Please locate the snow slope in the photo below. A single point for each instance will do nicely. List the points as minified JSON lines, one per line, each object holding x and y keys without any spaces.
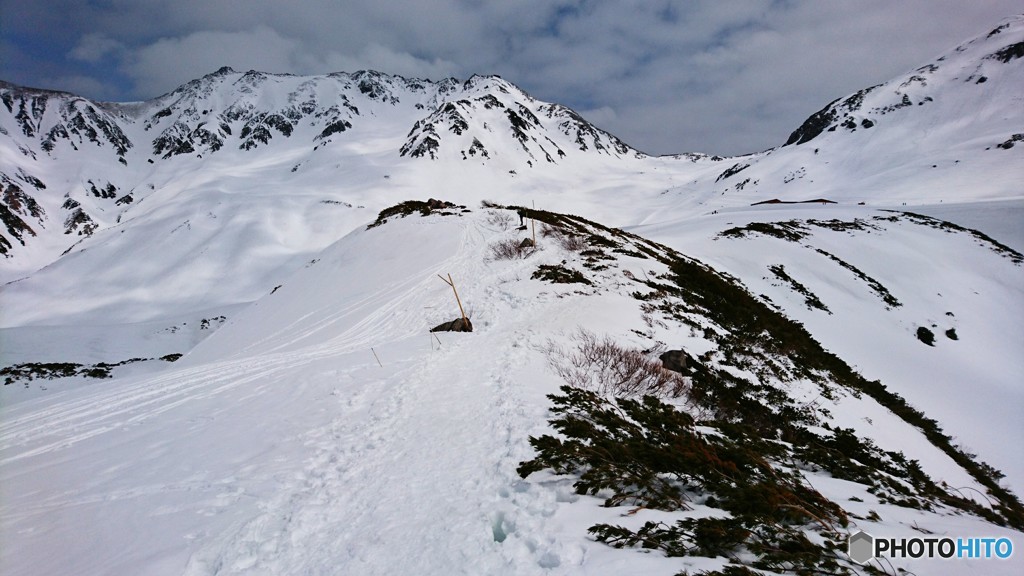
{"x":280,"y":445}
{"x":264,"y":171}
{"x":324,"y":462}
{"x":942,"y":280}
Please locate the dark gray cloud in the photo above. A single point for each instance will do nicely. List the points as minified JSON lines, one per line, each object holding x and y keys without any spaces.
{"x":666,"y":76}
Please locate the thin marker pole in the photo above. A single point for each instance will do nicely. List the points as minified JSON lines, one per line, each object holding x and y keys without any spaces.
{"x":533,"y":224}
{"x":451,"y":283}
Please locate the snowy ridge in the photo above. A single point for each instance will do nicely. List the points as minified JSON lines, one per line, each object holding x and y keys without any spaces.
{"x":326,"y":462}
{"x":498,"y":107}
{"x":86,"y":167}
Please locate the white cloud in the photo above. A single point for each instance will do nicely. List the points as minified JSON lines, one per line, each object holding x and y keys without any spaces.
{"x":383,"y":59}
{"x":603,"y":116}
{"x":79,"y":84}
{"x":94,"y":47}
{"x":734,"y":78}
{"x":720,"y":77}
{"x":169,"y":62}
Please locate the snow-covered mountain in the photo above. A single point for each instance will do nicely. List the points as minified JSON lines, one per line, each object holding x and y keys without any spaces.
{"x":95,"y":161}
{"x":274,"y":407}
{"x":72,"y":167}
{"x":922,"y":137}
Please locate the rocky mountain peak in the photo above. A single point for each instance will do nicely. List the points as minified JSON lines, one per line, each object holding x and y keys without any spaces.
{"x":484,"y":118}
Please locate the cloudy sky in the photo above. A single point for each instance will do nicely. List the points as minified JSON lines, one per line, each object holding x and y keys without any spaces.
{"x":665,"y":76}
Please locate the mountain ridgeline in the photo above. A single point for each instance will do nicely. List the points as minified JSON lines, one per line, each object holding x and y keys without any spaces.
{"x":72,"y":166}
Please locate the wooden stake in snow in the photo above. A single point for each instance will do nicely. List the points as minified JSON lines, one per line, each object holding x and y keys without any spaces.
{"x":533,"y":225}
{"x":457,"y":301}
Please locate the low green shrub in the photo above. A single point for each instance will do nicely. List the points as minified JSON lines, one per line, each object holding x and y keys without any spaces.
{"x":557,"y":274}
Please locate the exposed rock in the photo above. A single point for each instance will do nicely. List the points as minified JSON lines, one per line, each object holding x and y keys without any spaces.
{"x":734,"y":169}
{"x":334,"y":128}
{"x":14,"y":226}
{"x":674,"y":360}
{"x":1009,"y":52}
{"x":19,"y":201}
{"x":435,"y":204}
{"x":78,"y":222}
{"x":457,"y":325}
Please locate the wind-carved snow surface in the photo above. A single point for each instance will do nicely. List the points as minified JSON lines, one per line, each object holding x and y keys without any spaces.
{"x":279,"y":445}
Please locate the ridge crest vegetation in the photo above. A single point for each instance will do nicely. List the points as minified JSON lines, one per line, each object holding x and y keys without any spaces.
{"x":727,"y":446}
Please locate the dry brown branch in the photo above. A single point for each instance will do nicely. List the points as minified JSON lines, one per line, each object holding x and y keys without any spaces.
{"x":567,"y":240}
{"x":499,"y":219}
{"x":602,"y":365}
{"x":510,"y":249}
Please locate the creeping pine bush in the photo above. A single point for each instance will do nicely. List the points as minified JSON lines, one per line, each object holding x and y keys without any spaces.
{"x":649,"y":454}
{"x":600,"y":364}
{"x":559,"y":275}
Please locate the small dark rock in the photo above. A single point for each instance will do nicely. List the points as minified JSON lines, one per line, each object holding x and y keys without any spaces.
{"x":457,"y":325}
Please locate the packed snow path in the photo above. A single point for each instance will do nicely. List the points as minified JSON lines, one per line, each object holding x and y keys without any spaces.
{"x":407,"y":476}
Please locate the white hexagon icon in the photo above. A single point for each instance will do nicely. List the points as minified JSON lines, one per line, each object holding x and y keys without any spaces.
{"x":861,"y":547}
